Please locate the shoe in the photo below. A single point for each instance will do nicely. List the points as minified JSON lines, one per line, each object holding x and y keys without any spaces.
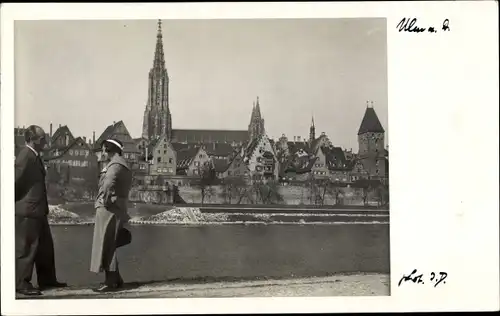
{"x":29,"y":292}
{"x":105,"y":288}
{"x":55,"y":285}
{"x":120,"y":284}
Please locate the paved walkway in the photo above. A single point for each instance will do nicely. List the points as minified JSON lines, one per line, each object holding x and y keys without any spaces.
{"x":342,"y":285}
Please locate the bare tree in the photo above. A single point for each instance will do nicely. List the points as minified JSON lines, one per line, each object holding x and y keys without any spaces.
{"x":206,"y":180}
{"x":91,"y":180}
{"x":233,"y":188}
{"x":266,"y":191}
{"x":334,"y":190}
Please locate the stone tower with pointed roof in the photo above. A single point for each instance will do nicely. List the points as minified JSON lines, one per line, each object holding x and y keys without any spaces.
{"x":256,"y":126}
{"x":157,"y":117}
{"x":371,"y":141}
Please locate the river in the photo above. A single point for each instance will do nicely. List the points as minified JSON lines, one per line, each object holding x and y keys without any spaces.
{"x":159,"y":253}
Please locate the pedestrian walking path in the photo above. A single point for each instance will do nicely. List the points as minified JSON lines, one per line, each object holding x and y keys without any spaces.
{"x":342,"y":285}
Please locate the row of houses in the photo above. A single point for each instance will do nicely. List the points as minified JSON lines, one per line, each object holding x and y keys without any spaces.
{"x":160,"y":160}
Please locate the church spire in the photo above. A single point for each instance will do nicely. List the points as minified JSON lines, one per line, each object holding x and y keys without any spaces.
{"x":256,"y":126}
{"x":257,"y":108}
{"x":312,"y":130}
{"x":159,"y":61}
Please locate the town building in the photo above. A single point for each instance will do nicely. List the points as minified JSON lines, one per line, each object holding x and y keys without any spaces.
{"x":371,"y":139}
{"x":119,"y":131}
{"x":261,"y":158}
{"x":163,"y":157}
{"x":74,"y":164}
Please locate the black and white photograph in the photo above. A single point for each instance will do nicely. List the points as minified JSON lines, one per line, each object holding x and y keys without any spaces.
{"x":234,"y":157}
{"x":243,"y":158}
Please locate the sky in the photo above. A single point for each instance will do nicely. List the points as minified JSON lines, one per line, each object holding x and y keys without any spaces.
{"x":87,"y":74}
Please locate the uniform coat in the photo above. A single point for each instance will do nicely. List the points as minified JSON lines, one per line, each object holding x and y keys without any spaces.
{"x":34,"y":244}
{"x":111,"y":213}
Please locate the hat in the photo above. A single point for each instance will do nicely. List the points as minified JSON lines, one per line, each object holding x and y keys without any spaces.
{"x":115,"y":142}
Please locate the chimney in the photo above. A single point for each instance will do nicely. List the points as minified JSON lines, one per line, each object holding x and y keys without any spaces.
{"x":59,"y":125}
{"x":50,"y":130}
{"x":294,"y":138}
{"x":84,"y":139}
{"x":298,"y":138}
{"x":93,"y":137}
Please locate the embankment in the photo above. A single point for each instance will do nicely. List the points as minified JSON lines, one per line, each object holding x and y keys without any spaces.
{"x":168,"y":215}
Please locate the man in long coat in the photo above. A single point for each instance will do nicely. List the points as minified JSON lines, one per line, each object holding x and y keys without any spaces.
{"x":111,"y":214}
{"x":34,"y":244}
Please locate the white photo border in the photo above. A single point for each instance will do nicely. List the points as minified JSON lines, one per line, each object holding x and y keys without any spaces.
{"x":443,"y":118}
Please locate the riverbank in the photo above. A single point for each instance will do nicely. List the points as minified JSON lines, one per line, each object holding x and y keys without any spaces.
{"x":338,"y":285}
{"x":169,"y":215}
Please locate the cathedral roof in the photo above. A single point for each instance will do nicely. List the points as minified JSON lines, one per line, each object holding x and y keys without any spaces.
{"x":370,"y":123}
{"x":219,"y":149}
{"x":209,"y":136}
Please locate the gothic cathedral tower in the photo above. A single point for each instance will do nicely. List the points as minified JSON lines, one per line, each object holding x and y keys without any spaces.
{"x":157,"y":118}
{"x":256,"y":126}
{"x":312,"y":131}
{"x":371,"y":140}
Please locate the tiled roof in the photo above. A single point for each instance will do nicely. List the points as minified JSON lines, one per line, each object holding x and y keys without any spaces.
{"x":335,"y":157}
{"x":105,"y":135}
{"x":370,"y":123}
{"x":76,"y":141}
{"x":128,"y":146}
{"x":62,"y":131}
{"x":220,"y":165}
{"x":298,"y":164}
{"x":209,"y":136}
{"x":185,"y":156}
{"x":251,"y":147}
{"x":294,"y":147}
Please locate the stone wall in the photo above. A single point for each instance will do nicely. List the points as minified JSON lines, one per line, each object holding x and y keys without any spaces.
{"x":292,"y":195}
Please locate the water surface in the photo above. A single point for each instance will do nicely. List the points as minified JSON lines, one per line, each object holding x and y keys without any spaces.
{"x":159,"y":253}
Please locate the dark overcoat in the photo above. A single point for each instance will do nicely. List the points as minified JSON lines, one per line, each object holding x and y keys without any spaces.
{"x":111,"y":213}
{"x":30,"y":189}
